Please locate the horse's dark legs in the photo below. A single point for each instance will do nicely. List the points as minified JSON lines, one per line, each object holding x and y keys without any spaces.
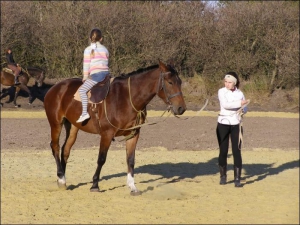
{"x":25,"y":88}
{"x":4,"y":93}
{"x":16,"y":95}
{"x":8,"y":92}
{"x":130,"y":158}
{"x":104,"y":146}
{"x":71,"y":135}
{"x":54,"y":144}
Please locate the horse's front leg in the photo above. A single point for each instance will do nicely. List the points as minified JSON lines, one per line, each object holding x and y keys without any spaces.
{"x":16,"y":95}
{"x":25,"y":88}
{"x":130,"y":159}
{"x":104,"y":146}
{"x":56,"y":127}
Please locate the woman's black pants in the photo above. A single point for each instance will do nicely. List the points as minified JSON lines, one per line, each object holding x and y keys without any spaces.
{"x":223,"y":134}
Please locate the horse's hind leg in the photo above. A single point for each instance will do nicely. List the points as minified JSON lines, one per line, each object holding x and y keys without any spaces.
{"x":4,"y":93}
{"x":130,"y":158}
{"x":8,"y":92}
{"x":2,"y":96}
{"x":71,"y":135}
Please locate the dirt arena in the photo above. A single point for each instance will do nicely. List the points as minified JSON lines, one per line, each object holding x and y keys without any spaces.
{"x":176,"y":172}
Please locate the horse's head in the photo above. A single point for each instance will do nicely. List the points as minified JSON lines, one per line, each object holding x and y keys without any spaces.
{"x":38,"y":75}
{"x":40,"y":79}
{"x":169,"y":89}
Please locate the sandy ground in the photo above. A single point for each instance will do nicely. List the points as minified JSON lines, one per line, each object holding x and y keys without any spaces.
{"x":176,"y":172}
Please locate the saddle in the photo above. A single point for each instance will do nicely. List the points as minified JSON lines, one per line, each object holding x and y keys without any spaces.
{"x":7,"y":70}
{"x":98,"y":92}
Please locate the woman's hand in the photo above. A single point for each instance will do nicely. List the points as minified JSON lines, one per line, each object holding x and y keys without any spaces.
{"x":244,"y":102}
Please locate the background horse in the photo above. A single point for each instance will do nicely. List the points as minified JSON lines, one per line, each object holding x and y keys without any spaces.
{"x":7,"y":79}
{"x":124,"y":108}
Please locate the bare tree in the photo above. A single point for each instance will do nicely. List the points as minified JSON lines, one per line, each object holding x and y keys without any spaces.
{"x":259,"y":40}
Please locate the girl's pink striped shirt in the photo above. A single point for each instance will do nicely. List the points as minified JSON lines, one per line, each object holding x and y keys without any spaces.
{"x":96,"y":63}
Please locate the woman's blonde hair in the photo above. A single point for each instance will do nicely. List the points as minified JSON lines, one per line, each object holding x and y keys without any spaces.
{"x":95,"y":36}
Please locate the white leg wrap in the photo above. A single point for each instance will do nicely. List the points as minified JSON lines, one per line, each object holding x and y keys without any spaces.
{"x":130,"y":183}
{"x":61,"y":181}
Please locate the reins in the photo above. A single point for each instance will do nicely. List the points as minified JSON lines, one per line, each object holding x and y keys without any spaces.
{"x":40,"y":77}
{"x":190,"y":117}
{"x":140,"y":113}
{"x":26,"y":71}
{"x":241,"y":113}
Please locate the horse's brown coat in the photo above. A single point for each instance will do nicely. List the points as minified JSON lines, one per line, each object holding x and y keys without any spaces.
{"x":8,"y":79}
{"x":128,"y":96}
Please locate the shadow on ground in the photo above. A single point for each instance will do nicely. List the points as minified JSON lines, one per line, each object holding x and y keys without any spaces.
{"x":180,"y":171}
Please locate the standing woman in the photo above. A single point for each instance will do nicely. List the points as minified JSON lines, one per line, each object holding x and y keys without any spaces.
{"x":11,"y":64}
{"x":95,"y":69}
{"x":231,"y":100}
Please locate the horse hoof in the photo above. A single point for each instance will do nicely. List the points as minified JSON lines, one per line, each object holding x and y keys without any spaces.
{"x":17,"y":106}
{"x":94,"y":190}
{"x":61,"y":183}
{"x":135,"y":193}
{"x":61,"y":186}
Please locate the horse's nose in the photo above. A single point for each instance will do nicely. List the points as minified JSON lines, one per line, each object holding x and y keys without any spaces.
{"x":181,"y":110}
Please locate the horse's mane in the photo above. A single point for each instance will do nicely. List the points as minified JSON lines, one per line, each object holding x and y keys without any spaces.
{"x":139,"y":71}
{"x":34,"y":68}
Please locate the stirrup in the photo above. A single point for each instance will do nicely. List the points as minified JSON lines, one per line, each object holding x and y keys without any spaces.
{"x":83,"y":118}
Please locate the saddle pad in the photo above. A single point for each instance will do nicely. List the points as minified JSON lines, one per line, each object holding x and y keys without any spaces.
{"x":77,"y":96}
{"x":7,"y":70}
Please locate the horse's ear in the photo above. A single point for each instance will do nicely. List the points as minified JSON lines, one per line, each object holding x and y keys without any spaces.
{"x":163,"y":67}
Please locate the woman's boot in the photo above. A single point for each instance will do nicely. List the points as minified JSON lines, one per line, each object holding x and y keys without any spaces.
{"x":223,"y":176}
{"x":237,"y":177}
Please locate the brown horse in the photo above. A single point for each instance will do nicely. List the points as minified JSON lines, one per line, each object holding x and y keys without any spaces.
{"x":7,"y":79}
{"x":121,"y":113}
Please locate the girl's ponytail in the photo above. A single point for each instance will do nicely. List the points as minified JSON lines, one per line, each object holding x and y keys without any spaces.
{"x":95,"y":36}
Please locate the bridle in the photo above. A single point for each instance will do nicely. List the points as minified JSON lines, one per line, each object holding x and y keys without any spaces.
{"x":141,"y":113}
{"x":161,"y":85}
{"x":40,"y":79}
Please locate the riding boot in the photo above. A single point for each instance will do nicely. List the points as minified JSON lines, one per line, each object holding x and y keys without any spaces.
{"x":16,"y":80}
{"x":223,"y":176}
{"x":237,"y":176}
